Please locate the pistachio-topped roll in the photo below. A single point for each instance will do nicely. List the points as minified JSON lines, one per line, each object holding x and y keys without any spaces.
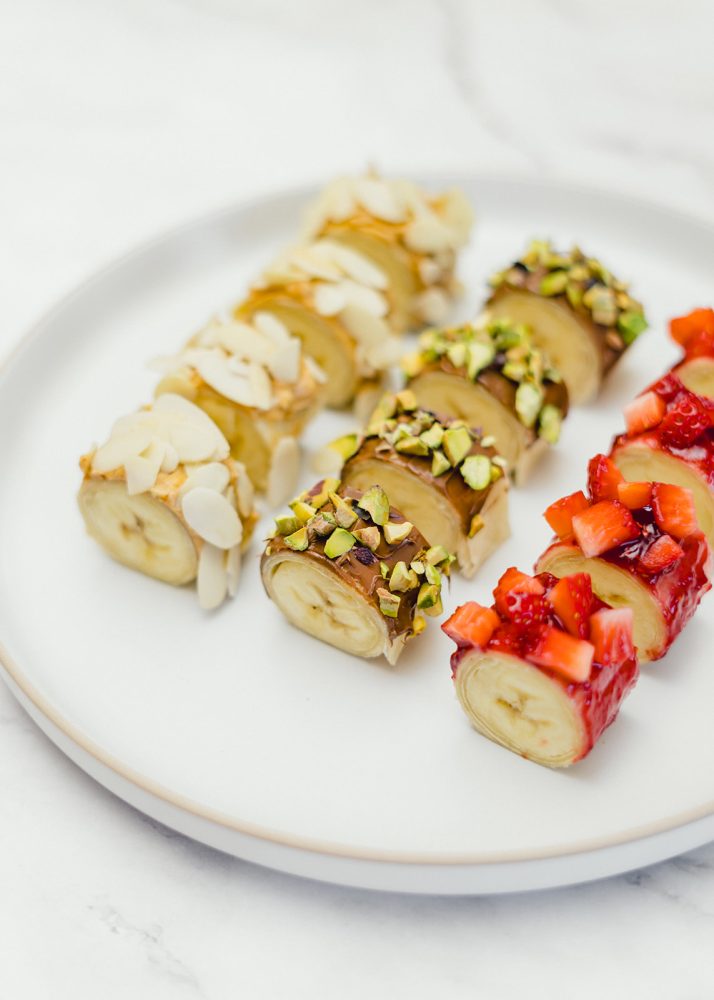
{"x":413,"y":237}
{"x":255,"y":383}
{"x":447,"y":479}
{"x":336,"y":301}
{"x":346,"y":567}
{"x":580,"y":314}
{"x":492,"y":376}
{"x":163,"y":496}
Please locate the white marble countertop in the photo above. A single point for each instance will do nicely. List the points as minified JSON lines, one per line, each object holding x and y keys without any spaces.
{"x":119,"y":119}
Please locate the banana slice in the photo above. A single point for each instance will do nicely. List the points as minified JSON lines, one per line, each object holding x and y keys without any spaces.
{"x":459,"y":501}
{"x":697,"y":374}
{"x":580,"y":315}
{"x":163,"y":497}
{"x":491,"y":376}
{"x":348,"y":569}
{"x":407,"y":236}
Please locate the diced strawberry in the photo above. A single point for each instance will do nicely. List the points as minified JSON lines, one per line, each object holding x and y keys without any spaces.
{"x":514,"y":582}
{"x":560,"y":514}
{"x":611,"y":635}
{"x":563,"y":653}
{"x":685,"y":420}
{"x":644,"y":412}
{"x":674,"y":509}
{"x":572,"y":600}
{"x":604,"y":526}
{"x":634,"y":495}
{"x":661,"y":553}
{"x":603,"y":478}
{"x":701,"y":345}
{"x":527,"y":609}
{"x":471,"y":625}
{"x":669,"y":386}
{"x":683,"y":328}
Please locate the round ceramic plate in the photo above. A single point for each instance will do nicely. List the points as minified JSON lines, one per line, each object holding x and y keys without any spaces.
{"x":241,"y":732}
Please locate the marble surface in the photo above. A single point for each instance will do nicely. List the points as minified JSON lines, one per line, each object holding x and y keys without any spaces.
{"x":120,"y":119}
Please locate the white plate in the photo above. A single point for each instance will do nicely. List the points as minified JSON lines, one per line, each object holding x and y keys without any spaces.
{"x":241,"y":732}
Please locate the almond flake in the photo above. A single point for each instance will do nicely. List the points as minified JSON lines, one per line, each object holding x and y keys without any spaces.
{"x":316,"y":264}
{"x":212,"y":580}
{"x":429,"y":271}
{"x":120,"y":448}
{"x":232,"y":564}
{"x":317,"y":373}
{"x":211,"y":475}
{"x":285,"y":362}
{"x":369,"y":299}
{"x":170,"y":461}
{"x":245,"y":494}
{"x":329,"y":299}
{"x":261,"y":387}
{"x":381,"y":201}
{"x":355,"y":265}
{"x":433,"y":305}
{"x":271,"y":327}
{"x":284,"y":471}
{"x":364,"y":326}
{"x":214,"y":371}
{"x":141,"y":470}
{"x":212,"y":518}
{"x":428,"y":234}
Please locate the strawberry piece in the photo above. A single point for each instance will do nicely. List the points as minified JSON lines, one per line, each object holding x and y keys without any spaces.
{"x":683,"y":328}
{"x":674,"y":509}
{"x":660,"y":554}
{"x":635,"y":495}
{"x":568,"y":656}
{"x":471,"y":625}
{"x":669,"y":386}
{"x":604,"y":526}
{"x":572,"y":601}
{"x":603,"y":478}
{"x":514,"y":582}
{"x":644,"y":412}
{"x":611,"y":635}
{"x":701,"y":345}
{"x":560,"y":514}
{"x":685,"y":420}
{"x":527,"y":609}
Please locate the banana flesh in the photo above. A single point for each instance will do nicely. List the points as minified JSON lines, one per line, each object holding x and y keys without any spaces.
{"x":520,"y":707}
{"x":697,"y":375}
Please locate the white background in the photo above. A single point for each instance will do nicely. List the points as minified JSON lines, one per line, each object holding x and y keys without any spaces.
{"x":118,"y":119}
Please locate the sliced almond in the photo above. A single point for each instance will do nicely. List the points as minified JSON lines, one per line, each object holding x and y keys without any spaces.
{"x":120,"y":448}
{"x":272,"y":327}
{"x":284,"y":471}
{"x":170,"y":461}
{"x":141,"y":470}
{"x":364,"y":326}
{"x":317,"y":373}
{"x":215,"y":372}
{"x":367,"y":298}
{"x":429,"y":271}
{"x":285,"y":362}
{"x":261,"y":387}
{"x":233,"y":564}
{"x":355,"y":265}
{"x":212,"y":518}
{"x":245,"y":494}
{"x":211,"y":475}
{"x":433,"y":305}
{"x":379,"y":199}
{"x":316,"y":264}
{"x":212,"y":580}
{"x":459,"y":216}
{"x":329,"y":299}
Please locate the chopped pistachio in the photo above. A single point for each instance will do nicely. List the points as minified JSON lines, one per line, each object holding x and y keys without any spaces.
{"x":496,"y":472}
{"x":369,"y":537}
{"x":488,"y":441}
{"x":388,"y":603}
{"x":322,"y":524}
{"x":339,"y":542}
{"x":436,"y":554}
{"x":302,"y":511}
{"x":433,"y":437}
{"x":376,"y":503}
{"x":515,"y":370}
{"x":631,"y":324}
{"x":411,"y":445}
{"x":345,"y":446}
{"x":384,"y":570}
{"x":285,"y":524}
{"x":406,"y":401}
{"x":529,"y":399}
{"x":418,"y":566}
{"x":412,"y":364}
{"x":385,"y":408}
{"x":402,"y":578}
{"x":476,"y":471}
{"x":549,"y":423}
{"x":419,"y":624}
{"x":480,"y":356}
{"x":456,"y":444}
{"x":574,"y":294}
{"x":328,"y":487}
{"x":432,"y":575}
{"x":395,"y":532}
{"x":429,"y":599}
{"x":477,"y":523}
{"x":344,"y":514}
{"x":554,"y":283}
{"x":298,"y":540}
{"x":456,"y":354}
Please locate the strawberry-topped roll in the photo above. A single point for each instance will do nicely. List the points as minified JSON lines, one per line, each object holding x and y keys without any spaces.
{"x":544,"y":670}
{"x":642,"y":546}
{"x":670,"y":439}
{"x":695,"y":332}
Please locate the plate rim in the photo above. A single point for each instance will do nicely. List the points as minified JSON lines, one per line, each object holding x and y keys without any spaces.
{"x":10,"y":669}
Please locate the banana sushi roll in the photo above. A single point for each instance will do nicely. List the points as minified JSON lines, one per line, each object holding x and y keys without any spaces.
{"x":492,"y":376}
{"x":413,"y":237}
{"x":642,"y":547}
{"x":545,"y":670}
{"x":337,"y":303}
{"x":695,"y":334}
{"x":347,"y":568}
{"x":163,"y":496}
{"x":255,"y":383}
{"x":580,"y":314}
{"x":670,"y":439}
{"x":446,"y":479}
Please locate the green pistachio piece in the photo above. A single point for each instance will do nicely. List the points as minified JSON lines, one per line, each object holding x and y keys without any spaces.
{"x":480,"y":356}
{"x":328,"y":487}
{"x":345,"y":446}
{"x":631,"y":325}
{"x":508,"y":336}
{"x":406,"y":401}
{"x":538,"y":251}
{"x":384,"y":570}
{"x":457,"y":355}
{"x":402,"y":578}
{"x":574,"y":294}
{"x":432,"y":575}
{"x":436,"y":554}
{"x":488,"y":441}
{"x":388,"y":603}
{"x":395,"y":532}
{"x":602,"y":304}
{"x":496,"y":472}
{"x":302,"y":511}
{"x":339,"y":542}
{"x":529,"y":399}
{"x":433,"y":437}
{"x":476,"y":471}
{"x":549,"y":423}
{"x":385,"y":408}
{"x":419,"y":624}
{"x":411,"y":445}
{"x":456,"y":444}
{"x":376,"y":503}
{"x":477,"y":523}
{"x":429,"y":599}
{"x":369,"y":537}
{"x":578,"y":272}
{"x":322,"y":524}
{"x":515,"y":370}
{"x":412,"y":364}
{"x":298,"y":540}
{"x":418,"y":566}
{"x":285,"y":524}
{"x":599,"y":271}
{"x":344,"y":515}
{"x":554,"y":283}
